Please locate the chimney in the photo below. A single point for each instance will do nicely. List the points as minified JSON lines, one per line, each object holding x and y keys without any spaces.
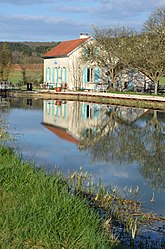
{"x":84,"y":35}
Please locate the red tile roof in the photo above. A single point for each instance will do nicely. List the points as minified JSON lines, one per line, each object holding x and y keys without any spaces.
{"x":64,"y":48}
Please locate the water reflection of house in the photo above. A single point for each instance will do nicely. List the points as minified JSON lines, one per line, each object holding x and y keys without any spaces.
{"x":76,"y":121}
{"x":62,"y":133}
{"x":73,"y":117}
{"x":129,"y":115}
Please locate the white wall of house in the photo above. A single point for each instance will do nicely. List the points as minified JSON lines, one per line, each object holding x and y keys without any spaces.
{"x":64,"y":70}
{"x":55,"y":71}
{"x":70,"y":70}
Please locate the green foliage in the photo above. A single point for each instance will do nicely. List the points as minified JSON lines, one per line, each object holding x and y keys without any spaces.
{"x":32,"y":50}
{"x":18,"y":46}
{"x":28,"y":48}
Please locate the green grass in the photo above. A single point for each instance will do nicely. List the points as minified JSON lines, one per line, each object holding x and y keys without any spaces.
{"x":36,"y":211}
{"x":15,"y":76}
{"x":35,"y":76}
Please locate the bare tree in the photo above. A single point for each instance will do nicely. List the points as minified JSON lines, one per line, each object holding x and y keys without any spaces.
{"x":24,"y":62}
{"x":75,"y":69}
{"x":5,"y":62}
{"x":143,"y":51}
{"x":100,"y":53}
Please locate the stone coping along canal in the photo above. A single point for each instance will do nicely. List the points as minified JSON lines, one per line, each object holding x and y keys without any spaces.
{"x":137,"y":100}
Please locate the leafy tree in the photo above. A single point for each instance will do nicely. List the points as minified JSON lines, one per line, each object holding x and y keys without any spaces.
{"x":5,"y":61}
{"x":18,"y":46}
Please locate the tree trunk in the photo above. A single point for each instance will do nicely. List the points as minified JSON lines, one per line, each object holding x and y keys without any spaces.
{"x":156,"y":87}
{"x":24,"y":76}
{"x":113,"y":77}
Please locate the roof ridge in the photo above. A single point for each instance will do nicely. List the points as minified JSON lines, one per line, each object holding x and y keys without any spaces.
{"x":77,"y":39}
{"x":65,"y":47}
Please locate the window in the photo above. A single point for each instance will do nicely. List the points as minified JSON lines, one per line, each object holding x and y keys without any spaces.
{"x":89,"y":74}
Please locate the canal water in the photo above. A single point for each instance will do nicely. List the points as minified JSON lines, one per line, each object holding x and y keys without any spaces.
{"x":120,"y":145}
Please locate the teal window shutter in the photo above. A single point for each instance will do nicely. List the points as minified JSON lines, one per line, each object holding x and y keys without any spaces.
{"x":64,"y":110}
{"x":53,"y":108}
{"x":64,"y":74}
{"x":84,"y":111}
{"x":61,"y":75}
{"x":56,"y":111}
{"x":96,"y":111}
{"x":96,"y":75}
{"x":47,"y":74}
{"x":85,"y":75}
{"x":56,"y":76}
{"x":52,"y":75}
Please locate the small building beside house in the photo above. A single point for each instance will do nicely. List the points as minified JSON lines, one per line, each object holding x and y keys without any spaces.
{"x":63,"y":67}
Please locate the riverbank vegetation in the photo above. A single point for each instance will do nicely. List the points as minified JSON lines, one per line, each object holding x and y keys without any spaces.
{"x":38,"y":212}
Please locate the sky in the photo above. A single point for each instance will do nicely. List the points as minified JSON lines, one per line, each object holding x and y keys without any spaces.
{"x":55,"y":20}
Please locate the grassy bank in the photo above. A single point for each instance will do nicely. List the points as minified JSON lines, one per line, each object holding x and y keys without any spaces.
{"x":36,"y":211}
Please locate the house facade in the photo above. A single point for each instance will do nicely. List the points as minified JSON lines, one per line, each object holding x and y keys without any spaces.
{"x":64,"y":68}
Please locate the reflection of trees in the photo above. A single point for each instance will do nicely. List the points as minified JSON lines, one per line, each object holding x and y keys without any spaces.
{"x":24,"y":103}
{"x":117,"y":141}
{"x":154,"y":169}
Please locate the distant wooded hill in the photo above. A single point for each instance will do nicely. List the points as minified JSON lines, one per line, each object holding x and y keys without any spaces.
{"x":33,"y":50}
